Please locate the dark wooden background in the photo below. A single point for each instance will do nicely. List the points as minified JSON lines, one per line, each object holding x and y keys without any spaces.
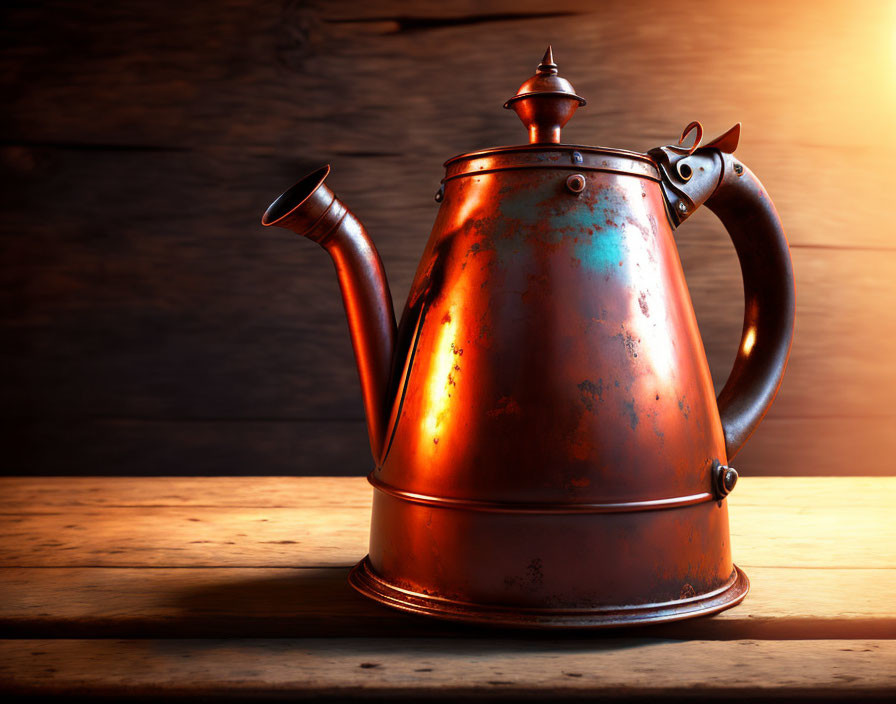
{"x":151,"y":326}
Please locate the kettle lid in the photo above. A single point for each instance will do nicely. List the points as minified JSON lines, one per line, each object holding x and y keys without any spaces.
{"x":545,"y":102}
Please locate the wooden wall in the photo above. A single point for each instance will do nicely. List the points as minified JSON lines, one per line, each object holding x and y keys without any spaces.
{"x":151,"y":326}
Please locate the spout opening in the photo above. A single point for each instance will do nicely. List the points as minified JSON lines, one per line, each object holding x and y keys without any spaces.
{"x":294,"y":197}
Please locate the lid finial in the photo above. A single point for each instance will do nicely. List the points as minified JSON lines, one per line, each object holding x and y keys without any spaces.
{"x":547,"y":64}
{"x":545,"y":102}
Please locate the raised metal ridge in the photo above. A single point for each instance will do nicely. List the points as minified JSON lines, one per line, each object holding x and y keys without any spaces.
{"x":539,"y":508}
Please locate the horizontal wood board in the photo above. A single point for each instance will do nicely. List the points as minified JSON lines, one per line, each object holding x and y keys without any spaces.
{"x":269,"y":556}
{"x":323,"y":522}
{"x":785,"y":603}
{"x":815,"y":625}
{"x":152,"y":327}
{"x":382,"y":667}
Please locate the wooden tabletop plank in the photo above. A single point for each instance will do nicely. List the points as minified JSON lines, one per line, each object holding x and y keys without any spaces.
{"x":778,"y":522}
{"x":320,"y":492}
{"x":185,"y":537}
{"x":260,"y":603}
{"x":433,"y":667}
{"x":238,"y":492}
{"x":242,"y":559}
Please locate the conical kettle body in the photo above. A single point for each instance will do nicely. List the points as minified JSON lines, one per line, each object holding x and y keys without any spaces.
{"x":556,"y":426}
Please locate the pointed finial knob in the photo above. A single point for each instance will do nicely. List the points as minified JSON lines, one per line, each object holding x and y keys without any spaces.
{"x":547,"y":64}
{"x":545,"y":102}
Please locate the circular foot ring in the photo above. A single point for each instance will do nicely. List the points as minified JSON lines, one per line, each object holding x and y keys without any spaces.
{"x":364,"y":580}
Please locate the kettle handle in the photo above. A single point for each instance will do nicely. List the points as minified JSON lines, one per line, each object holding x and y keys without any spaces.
{"x":742,"y":204}
{"x":712,"y":175}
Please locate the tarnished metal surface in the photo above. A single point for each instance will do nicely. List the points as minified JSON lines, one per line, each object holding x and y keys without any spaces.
{"x":539,"y":315}
{"x":551,"y":451}
{"x":570,"y":156}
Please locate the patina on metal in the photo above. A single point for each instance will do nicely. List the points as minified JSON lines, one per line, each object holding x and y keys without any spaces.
{"x":548,"y":447}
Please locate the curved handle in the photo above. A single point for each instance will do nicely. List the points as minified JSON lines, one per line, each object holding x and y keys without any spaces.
{"x":746,"y":211}
{"x":711,"y":175}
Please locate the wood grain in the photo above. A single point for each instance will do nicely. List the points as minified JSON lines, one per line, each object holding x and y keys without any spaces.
{"x":784,"y":603}
{"x":818,"y":624}
{"x":323,"y":493}
{"x":433,"y":668}
{"x":152,"y":327}
{"x":847,"y":525}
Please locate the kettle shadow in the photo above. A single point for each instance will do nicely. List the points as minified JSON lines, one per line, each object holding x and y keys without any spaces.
{"x":302,"y":602}
{"x":318,"y":602}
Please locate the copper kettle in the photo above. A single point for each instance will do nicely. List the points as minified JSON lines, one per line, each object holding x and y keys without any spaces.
{"x":548,"y":447}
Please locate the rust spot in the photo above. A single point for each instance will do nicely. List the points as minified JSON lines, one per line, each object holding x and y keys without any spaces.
{"x":536,"y":576}
{"x":687,"y":591}
{"x":629,"y":407}
{"x":642,"y":301}
{"x":446,"y":318}
{"x":591,"y":392}
{"x":506,"y":405}
{"x":580,"y":482}
{"x":629,"y":342}
{"x":435,"y":441}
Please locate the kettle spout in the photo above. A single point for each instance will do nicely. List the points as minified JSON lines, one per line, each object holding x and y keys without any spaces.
{"x":312,"y":210}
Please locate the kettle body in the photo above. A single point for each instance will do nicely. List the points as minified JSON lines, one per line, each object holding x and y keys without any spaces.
{"x":558,"y":380}
{"x":549,"y":449}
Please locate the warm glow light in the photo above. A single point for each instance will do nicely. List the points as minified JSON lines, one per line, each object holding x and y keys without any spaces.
{"x":472,"y":200}
{"x":656,"y":336}
{"x":749,"y":340}
{"x":442,"y":381}
{"x":894,"y":50}
{"x":653,"y":330}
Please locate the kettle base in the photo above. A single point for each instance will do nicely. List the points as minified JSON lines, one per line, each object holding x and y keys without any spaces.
{"x":363,"y":579}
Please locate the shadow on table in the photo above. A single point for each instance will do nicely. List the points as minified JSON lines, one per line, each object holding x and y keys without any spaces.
{"x":319,"y":602}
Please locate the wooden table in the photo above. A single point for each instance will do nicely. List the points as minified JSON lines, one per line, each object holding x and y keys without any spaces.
{"x":237,"y":586}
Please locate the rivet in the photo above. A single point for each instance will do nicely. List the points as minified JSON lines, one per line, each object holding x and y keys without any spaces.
{"x":576,"y":183}
{"x":730,"y":478}
{"x":682,"y":206}
{"x":576,"y":158}
{"x":440,"y":194}
{"x":724,"y":479}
